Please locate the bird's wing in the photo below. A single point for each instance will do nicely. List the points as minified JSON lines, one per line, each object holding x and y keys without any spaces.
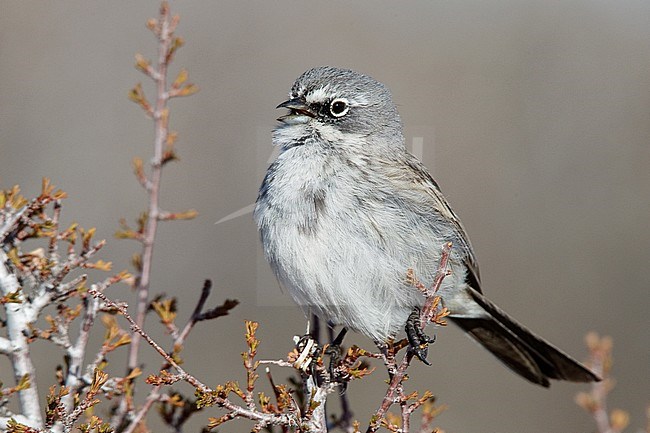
{"x":419,"y":180}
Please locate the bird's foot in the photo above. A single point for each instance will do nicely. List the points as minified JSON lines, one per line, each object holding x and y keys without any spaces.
{"x":309,"y":352}
{"x":418,"y":340}
{"x":334,"y":351}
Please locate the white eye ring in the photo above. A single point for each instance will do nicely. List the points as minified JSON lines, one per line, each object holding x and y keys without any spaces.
{"x":339,"y":107}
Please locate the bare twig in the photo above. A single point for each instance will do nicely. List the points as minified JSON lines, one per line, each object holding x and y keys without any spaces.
{"x":395,"y":392}
{"x":163,"y":152}
{"x":165,"y":30}
{"x":138,"y":330}
{"x":278,"y":362}
{"x":77,"y":352}
{"x":595,"y":401}
{"x":197,"y":315}
{"x":198,"y":309}
{"x":154,"y":396}
{"x":236,"y":411}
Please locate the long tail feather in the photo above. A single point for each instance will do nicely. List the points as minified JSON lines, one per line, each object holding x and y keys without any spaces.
{"x":518,"y":348}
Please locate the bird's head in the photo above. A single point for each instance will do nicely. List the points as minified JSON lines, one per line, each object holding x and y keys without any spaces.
{"x":338,"y":106}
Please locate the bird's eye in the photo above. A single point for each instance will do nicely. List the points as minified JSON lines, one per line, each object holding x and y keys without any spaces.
{"x":339,"y":107}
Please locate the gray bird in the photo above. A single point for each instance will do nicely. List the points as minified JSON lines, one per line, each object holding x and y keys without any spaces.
{"x":345,"y":210}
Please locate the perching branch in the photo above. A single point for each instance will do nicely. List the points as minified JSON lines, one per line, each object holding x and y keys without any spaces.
{"x":431,"y":313}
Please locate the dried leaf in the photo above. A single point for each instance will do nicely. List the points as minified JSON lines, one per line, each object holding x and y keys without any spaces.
{"x":12,"y":297}
{"x":99,"y":379}
{"x":619,"y":419}
{"x":187,"y":90}
{"x":152,"y":24}
{"x":137,"y":95}
{"x":180,"y":78}
{"x":177,"y":42}
{"x":142,"y":64}
{"x":100,"y":265}
{"x":166,"y":310}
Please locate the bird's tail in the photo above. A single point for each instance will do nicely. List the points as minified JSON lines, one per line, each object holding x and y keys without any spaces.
{"x":518,"y":348}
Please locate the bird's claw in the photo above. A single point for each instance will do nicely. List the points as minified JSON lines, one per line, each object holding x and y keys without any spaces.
{"x":309,"y":351}
{"x":418,"y":340}
{"x":333,"y":350}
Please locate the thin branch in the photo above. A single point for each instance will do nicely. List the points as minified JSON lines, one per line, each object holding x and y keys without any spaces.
{"x":54,"y":245}
{"x":11,"y":224}
{"x":595,"y":401}
{"x":262,"y":418}
{"x":136,"y":328}
{"x":278,"y":362}
{"x":316,"y":419}
{"x":154,"y":394}
{"x":163,"y":28}
{"x":53,"y":288}
{"x":77,"y":352}
{"x":395,"y":393}
{"x":160,"y":115}
{"x":205,"y":293}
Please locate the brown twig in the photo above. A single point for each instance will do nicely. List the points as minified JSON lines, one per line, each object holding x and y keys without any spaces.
{"x":198,"y":309}
{"x":395,"y":392}
{"x":138,"y":330}
{"x":163,"y":151}
{"x":595,"y":401}
{"x":197,"y":315}
{"x":154,"y":396}
{"x":164,"y":31}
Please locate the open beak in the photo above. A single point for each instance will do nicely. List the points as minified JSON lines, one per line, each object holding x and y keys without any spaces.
{"x":297,"y":109}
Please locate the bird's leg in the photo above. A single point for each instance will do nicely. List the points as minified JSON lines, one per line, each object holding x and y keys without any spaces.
{"x":334,"y":352}
{"x":418,"y":340}
{"x":308,"y":350}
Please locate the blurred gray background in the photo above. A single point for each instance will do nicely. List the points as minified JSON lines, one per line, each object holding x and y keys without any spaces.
{"x":533,"y":116}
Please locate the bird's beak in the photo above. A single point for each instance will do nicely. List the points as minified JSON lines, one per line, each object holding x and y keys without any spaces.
{"x":298,"y":109}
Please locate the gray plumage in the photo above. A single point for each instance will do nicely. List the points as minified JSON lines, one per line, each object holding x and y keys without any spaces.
{"x":345,"y":210}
